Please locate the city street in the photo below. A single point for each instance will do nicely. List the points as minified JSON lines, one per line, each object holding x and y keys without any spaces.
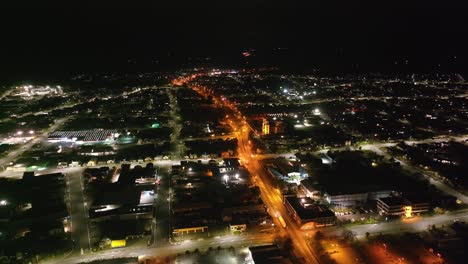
{"x":78,"y":211}
{"x":139,"y":249}
{"x":270,"y":195}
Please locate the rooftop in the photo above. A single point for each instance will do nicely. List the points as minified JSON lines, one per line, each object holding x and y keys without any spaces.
{"x":307,"y":209}
{"x":117,"y":194}
{"x":394,"y":201}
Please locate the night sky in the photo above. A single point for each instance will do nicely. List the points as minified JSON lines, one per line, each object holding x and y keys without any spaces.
{"x":59,"y":40}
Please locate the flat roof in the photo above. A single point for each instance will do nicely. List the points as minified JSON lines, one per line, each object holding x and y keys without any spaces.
{"x":196,"y":218}
{"x":348,"y":188}
{"x":285,"y":166}
{"x":307,"y":209}
{"x":268,"y":254}
{"x":119,"y":194}
{"x":309,"y":185}
{"x":394,"y":201}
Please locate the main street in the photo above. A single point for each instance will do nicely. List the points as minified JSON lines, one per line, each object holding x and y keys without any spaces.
{"x":270,"y":195}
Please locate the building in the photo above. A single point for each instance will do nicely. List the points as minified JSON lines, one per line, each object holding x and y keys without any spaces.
{"x":348,"y":195}
{"x":288,"y":171}
{"x":96,"y":150}
{"x":399,"y":206}
{"x":419,"y":204}
{"x":84,"y":136}
{"x":307,"y":213}
{"x":237,"y":228}
{"x":310,"y":189}
{"x":346,"y":199}
{"x":244,"y":215}
{"x":265,"y":127}
{"x":123,"y":202}
{"x":392,"y":205}
{"x":193,"y":224}
{"x":271,"y":254}
{"x":187,"y":230}
{"x":278,"y":127}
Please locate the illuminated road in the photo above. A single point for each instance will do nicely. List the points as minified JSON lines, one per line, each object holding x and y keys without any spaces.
{"x":270,"y":195}
{"x":140,"y":249}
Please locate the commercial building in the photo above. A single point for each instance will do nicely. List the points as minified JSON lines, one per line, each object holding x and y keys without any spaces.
{"x":399,"y":206}
{"x":310,"y":189}
{"x":84,"y":136}
{"x":194,"y":223}
{"x":123,"y":202}
{"x":179,"y":231}
{"x":307,"y":213}
{"x":271,"y":254}
{"x":288,"y":171}
{"x":343,"y":196}
{"x":340,"y":199}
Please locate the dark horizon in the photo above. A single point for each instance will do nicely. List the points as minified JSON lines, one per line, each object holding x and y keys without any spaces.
{"x":59,"y":41}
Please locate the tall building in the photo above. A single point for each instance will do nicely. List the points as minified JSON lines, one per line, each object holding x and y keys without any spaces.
{"x":265,"y":127}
